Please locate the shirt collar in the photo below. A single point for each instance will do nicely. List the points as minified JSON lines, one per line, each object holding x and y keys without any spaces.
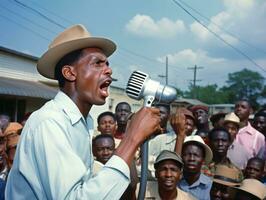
{"x":203,"y":180}
{"x":248,"y":129}
{"x":69,"y":107}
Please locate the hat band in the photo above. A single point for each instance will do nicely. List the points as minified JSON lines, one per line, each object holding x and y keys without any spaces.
{"x":225,"y":179}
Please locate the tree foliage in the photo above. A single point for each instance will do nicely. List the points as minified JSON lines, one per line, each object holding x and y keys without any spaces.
{"x":209,"y":94}
{"x":244,"y":84}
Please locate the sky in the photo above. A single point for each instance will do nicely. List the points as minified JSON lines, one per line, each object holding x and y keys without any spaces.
{"x":148,"y":31}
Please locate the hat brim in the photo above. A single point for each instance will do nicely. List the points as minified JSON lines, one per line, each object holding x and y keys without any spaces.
{"x":46,"y":64}
{"x":230,"y":184}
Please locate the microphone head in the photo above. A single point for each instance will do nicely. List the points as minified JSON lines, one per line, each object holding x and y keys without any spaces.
{"x":141,"y":86}
{"x":135,"y":85}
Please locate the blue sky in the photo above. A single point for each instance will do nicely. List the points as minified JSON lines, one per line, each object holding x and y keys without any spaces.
{"x":146,"y":31}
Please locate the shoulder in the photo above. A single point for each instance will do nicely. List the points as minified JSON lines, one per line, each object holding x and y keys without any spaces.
{"x":182,"y":195}
{"x":205,"y":180}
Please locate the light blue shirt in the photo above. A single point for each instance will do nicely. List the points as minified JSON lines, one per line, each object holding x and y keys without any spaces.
{"x":54,"y":159}
{"x":200,"y":189}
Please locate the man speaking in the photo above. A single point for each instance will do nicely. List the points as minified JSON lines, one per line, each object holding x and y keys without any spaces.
{"x":54,"y":157}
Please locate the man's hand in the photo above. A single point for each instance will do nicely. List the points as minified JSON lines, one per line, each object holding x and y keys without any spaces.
{"x":142,"y":124}
{"x":178,"y":123}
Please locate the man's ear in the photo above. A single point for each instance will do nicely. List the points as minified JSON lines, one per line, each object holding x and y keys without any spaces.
{"x":69,"y":73}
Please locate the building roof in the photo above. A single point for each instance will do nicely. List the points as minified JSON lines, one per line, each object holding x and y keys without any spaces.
{"x":11,"y":51}
{"x":190,"y":101}
{"x":17,"y":87}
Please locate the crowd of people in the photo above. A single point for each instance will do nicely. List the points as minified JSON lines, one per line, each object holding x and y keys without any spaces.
{"x":192,"y":155}
{"x":221,"y":156}
{"x":58,"y":154}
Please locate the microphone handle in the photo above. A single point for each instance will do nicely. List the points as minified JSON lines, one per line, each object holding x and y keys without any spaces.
{"x":144,"y":150}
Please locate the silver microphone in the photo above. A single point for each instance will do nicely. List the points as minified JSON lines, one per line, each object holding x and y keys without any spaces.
{"x":141,"y":86}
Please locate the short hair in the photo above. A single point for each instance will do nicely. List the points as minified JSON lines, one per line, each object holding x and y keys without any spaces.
{"x":260,"y":114}
{"x":101,"y":136}
{"x":68,"y":59}
{"x":256,"y":159}
{"x":217,"y":130}
{"x":103,"y":114}
{"x":245,"y":100}
{"x":123,"y":102}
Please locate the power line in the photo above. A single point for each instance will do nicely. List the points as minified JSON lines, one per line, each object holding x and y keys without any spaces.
{"x":146,"y":58}
{"x":219,"y":37}
{"x":34,"y":32}
{"x":53,"y":13}
{"x":39,"y":13}
{"x":28,"y":20}
{"x":223,"y":29}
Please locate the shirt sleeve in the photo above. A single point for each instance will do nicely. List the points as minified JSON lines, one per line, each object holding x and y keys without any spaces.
{"x":62,"y":173}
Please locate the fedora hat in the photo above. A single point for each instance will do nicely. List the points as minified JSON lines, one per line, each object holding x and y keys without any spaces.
{"x":225,"y":175}
{"x":254,"y":187}
{"x":199,"y":141}
{"x":74,"y":38}
{"x":232,"y":117}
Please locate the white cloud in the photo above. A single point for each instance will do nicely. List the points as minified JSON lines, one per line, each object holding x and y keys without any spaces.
{"x":218,"y":21}
{"x":190,"y":57}
{"x":199,"y":31}
{"x":145,"y":26}
{"x":240,"y":17}
{"x":239,"y":7}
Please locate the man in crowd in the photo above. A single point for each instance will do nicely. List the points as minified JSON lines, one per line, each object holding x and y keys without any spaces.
{"x":107,"y":123}
{"x":249,"y":137}
{"x":231,"y":124}
{"x":190,"y":120}
{"x":3,"y":158}
{"x":254,"y":168}
{"x":217,"y":120}
{"x":164,"y":115}
{"x":168,"y":170}
{"x":12,"y":134}
{"x":220,"y":140}
{"x":4,"y":122}
{"x":194,"y":153}
{"x":170,"y":140}
{"x":259,"y":123}
{"x":223,"y":180}
{"x":201,"y":114}
{"x":54,"y":158}
{"x":122,"y":113}
{"x":103,"y":147}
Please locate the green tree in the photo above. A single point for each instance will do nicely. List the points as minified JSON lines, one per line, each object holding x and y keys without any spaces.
{"x":245,"y":84}
{"x":209,"y":94}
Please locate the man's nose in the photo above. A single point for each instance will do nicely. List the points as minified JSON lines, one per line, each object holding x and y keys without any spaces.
{"x":108,"y":70}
